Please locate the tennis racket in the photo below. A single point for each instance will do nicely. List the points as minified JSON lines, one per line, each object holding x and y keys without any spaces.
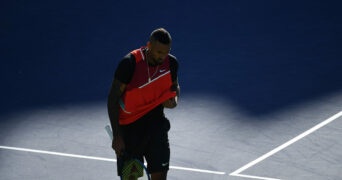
{"x":132,"y":169}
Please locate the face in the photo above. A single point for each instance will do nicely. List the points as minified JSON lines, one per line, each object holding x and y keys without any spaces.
{"x":157,"y":52}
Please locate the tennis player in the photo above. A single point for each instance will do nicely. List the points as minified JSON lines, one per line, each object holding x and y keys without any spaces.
{"x":145,"y":82}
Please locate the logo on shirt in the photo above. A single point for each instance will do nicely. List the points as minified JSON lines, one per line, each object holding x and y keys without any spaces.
{"x":165,"y":164}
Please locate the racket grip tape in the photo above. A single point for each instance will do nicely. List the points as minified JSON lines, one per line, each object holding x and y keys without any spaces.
{"x":109,"y":132}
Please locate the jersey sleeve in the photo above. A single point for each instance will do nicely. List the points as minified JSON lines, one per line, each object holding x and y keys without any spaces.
{"x":124,"y":71}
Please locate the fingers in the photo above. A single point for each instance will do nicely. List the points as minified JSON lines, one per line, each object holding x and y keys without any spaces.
{"x":119,"y":152}
{"x":119,"y":146}
{"x":170,"y":103}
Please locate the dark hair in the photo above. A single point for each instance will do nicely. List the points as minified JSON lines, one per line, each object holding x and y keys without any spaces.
{"x":161,"y":35}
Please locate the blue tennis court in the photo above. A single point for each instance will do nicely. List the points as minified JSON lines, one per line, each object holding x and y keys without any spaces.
{"x":261,"y":87}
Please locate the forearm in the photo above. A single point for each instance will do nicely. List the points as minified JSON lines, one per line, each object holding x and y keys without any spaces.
{"x":177,"y":90}
{"x":113,"y":113}
{"x":177,"y":94}
{"x":172,"y":102}
{"x":113,"y":106}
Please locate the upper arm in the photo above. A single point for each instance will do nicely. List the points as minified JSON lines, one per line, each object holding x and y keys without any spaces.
{"x":117,"y":89}
{"x":125,"y":69}
{"x":174,"y":74}
{"x":174,"y":68}
{"x":123,"y":75}
{"x":120,"y":87}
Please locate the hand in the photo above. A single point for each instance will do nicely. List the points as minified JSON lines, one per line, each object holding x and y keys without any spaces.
{"x":170,"y":103}
{"x":118,"y":145}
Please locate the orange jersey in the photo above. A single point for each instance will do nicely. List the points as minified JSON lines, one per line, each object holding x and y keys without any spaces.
{"x":149,"y":87}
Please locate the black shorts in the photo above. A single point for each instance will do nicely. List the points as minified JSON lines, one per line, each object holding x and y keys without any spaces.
{"x":148,"y":138}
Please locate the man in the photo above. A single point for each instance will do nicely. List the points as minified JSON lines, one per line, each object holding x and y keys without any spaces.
{"x":145,"y":82}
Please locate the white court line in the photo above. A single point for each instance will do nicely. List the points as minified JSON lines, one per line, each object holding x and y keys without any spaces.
{"x":101,"y":159}
{"x":57,"y":153}
{"x":281,"y":147}
{"x":253,"y":177}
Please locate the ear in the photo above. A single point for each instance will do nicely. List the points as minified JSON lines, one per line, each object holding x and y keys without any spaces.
{"x":148,"y":45}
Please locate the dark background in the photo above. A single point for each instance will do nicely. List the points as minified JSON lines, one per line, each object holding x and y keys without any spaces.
{"x":260,"y":55}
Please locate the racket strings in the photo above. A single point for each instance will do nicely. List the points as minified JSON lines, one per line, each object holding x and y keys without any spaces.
{"x":132,"y":170}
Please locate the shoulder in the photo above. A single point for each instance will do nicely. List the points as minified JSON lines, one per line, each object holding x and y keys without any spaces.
{"x":172,"y":57}
{"x":127,"y":62}
{"x":125,"y":69}
{"x":173,"y":60}
{"x":128,"y":59}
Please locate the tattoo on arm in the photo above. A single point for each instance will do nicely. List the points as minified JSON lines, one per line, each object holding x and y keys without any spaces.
{"x":113,"y":105}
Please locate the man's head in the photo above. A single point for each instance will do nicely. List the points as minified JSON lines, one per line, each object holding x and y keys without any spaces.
{"x":159,"y":46}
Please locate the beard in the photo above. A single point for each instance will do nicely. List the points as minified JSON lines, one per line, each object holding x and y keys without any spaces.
{"x":158,"y":61}
{"x":154,"y":61}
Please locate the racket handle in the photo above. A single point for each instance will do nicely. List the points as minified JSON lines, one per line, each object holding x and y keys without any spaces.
{"x":109,"y":132}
